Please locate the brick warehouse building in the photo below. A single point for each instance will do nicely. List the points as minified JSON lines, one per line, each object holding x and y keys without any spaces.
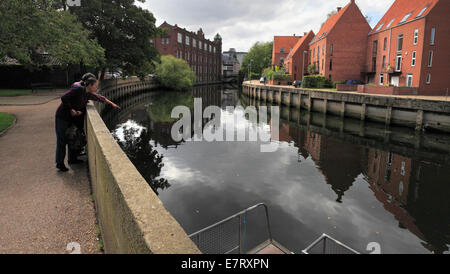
{"x":282,"y":46}
{"x":296,"y":62}
{"x":338,"y":51}
{"x":203,"y":56}
{"x":409,"y":47}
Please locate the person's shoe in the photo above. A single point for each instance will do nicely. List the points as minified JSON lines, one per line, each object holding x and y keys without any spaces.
{"x":62,"y":167}
{"x":75,"y":162}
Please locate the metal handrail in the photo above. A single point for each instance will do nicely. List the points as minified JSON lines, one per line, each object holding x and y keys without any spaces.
{"x":324,"y":237}
{"x":239,"y":214}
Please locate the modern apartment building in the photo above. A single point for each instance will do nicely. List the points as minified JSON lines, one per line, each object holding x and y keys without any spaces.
{"x":409,"y":47}
{"x":297,"y":60}
{"x":338,"y":51}
{"x":282,"y":46}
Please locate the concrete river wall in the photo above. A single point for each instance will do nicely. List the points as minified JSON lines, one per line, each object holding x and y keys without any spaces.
{"x":131,"y":216}
{"x":409,"y":111}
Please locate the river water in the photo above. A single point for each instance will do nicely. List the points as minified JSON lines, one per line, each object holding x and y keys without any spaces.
{"x":357,"y":182}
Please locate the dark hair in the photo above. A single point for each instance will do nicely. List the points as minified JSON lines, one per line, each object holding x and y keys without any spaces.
{"x":88,"y":79}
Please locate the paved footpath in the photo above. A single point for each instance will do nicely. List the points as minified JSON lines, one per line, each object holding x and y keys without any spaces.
{"x":41,"y":210}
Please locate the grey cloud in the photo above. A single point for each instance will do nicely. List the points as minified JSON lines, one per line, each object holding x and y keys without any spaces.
{"x":242,"y":23}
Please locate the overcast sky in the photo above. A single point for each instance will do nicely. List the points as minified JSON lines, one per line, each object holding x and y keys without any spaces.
{"x":241,"y":23}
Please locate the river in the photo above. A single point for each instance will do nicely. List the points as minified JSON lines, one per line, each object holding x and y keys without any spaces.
{"x":358,"y":182}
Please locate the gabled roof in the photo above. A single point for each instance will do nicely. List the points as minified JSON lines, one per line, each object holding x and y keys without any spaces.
{"x":300,"y":43}
{"x":329,"y":24}
{"x":406,"y":10}
{"x":284,"y":42}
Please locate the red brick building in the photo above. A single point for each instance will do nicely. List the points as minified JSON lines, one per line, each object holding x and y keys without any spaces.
{"x":296,"y":62}
{"x":409,"y":47}
{"x":202,"y":55}
{"x":282,"y":46}
{"x":338,"y":51}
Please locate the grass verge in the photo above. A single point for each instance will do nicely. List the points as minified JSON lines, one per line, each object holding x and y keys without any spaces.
{"x":14,"y":92}
{"x":6,"y":121}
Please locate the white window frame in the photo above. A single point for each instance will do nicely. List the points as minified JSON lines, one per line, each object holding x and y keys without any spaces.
{"x":398,"y":39}
{"x":430,"y":59}
{"x":416,"y":36}
{"x":433,"y":36}
{"x":180,"y":38}
{"x":413,"y":58}
{"x":428,"y":81}
{"x":381,"y":79}
{"x":398,"y":65}
{"x":188,"y":41}
{"x":409,"y":82}
{"x":194,"y":42}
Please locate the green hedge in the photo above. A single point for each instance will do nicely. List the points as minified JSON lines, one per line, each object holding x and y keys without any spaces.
{"x":316,"y":81}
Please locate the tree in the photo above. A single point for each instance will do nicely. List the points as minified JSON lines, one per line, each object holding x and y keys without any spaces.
{"x":175,"y":73}
{"x":258,"y":58}
{"x":30,"y":25}
{"x":329,"y":15}
{"x":124,"y":31}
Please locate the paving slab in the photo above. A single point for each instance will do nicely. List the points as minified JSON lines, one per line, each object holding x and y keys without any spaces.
{"x":41,"y":210}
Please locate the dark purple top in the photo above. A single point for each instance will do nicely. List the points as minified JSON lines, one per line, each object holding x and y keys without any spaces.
{"x":76,"y":98}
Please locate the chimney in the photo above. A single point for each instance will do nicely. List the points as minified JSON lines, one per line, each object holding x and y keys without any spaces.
{"x":304,"y":34}
{"x":339,"y":9}
{"x":352,"y":1}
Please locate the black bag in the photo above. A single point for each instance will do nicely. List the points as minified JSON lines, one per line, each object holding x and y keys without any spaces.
{"x":75,"y":138}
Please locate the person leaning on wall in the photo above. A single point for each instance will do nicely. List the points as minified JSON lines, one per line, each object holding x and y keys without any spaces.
{"x":72,"y":111}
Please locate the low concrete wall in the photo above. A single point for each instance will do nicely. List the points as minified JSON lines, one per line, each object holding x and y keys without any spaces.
{"x":345,"y":87}
{"x":387,"y":90}
{"x":408,"y":111}
{"x":132,"y":217}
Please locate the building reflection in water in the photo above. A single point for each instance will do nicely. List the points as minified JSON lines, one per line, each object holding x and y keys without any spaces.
{"x":416,"y":192}
{"x":412,"y":184}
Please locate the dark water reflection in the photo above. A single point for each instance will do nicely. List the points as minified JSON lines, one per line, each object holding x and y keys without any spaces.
{"x":359,"y":183}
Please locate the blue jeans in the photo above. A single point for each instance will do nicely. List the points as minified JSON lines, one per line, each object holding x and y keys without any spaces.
{"x":61,"y":126}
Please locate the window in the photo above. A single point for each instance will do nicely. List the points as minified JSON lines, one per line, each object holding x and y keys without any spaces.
{"x":374,"y":64}
{"x":318,"y":52}
{"x":422,"y":11}
{"x":428,"y":78}
{"x":398,"y":63}
{"x":282,"y":50}
{"x":433,"y":33}
{"x":331,"y":64}
{"x":323,"y":51}
{"x":383,"y":64}
{"x":188,"y":40}
{"x":409,"y":79}
{"x":322,"y":63}
{"x":180,"y":38}
{"x":430,"y":59}
{"x":390,"y":23}
{"x":400,"y":42}
{"x":331,"y":50}
{"x":384,"y":43}
{"x":405,"y":18}
{"x":375,"y":48}
{"x":416,"y":36}
{"x":200,"y":45}
{"x":379,"y":27}
{"x":194,"y":43}
{"x":413,"y":59}
{"x":381,"y":79}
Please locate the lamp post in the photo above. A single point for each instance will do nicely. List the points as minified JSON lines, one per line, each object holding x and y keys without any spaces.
{"x":303,"y":67}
